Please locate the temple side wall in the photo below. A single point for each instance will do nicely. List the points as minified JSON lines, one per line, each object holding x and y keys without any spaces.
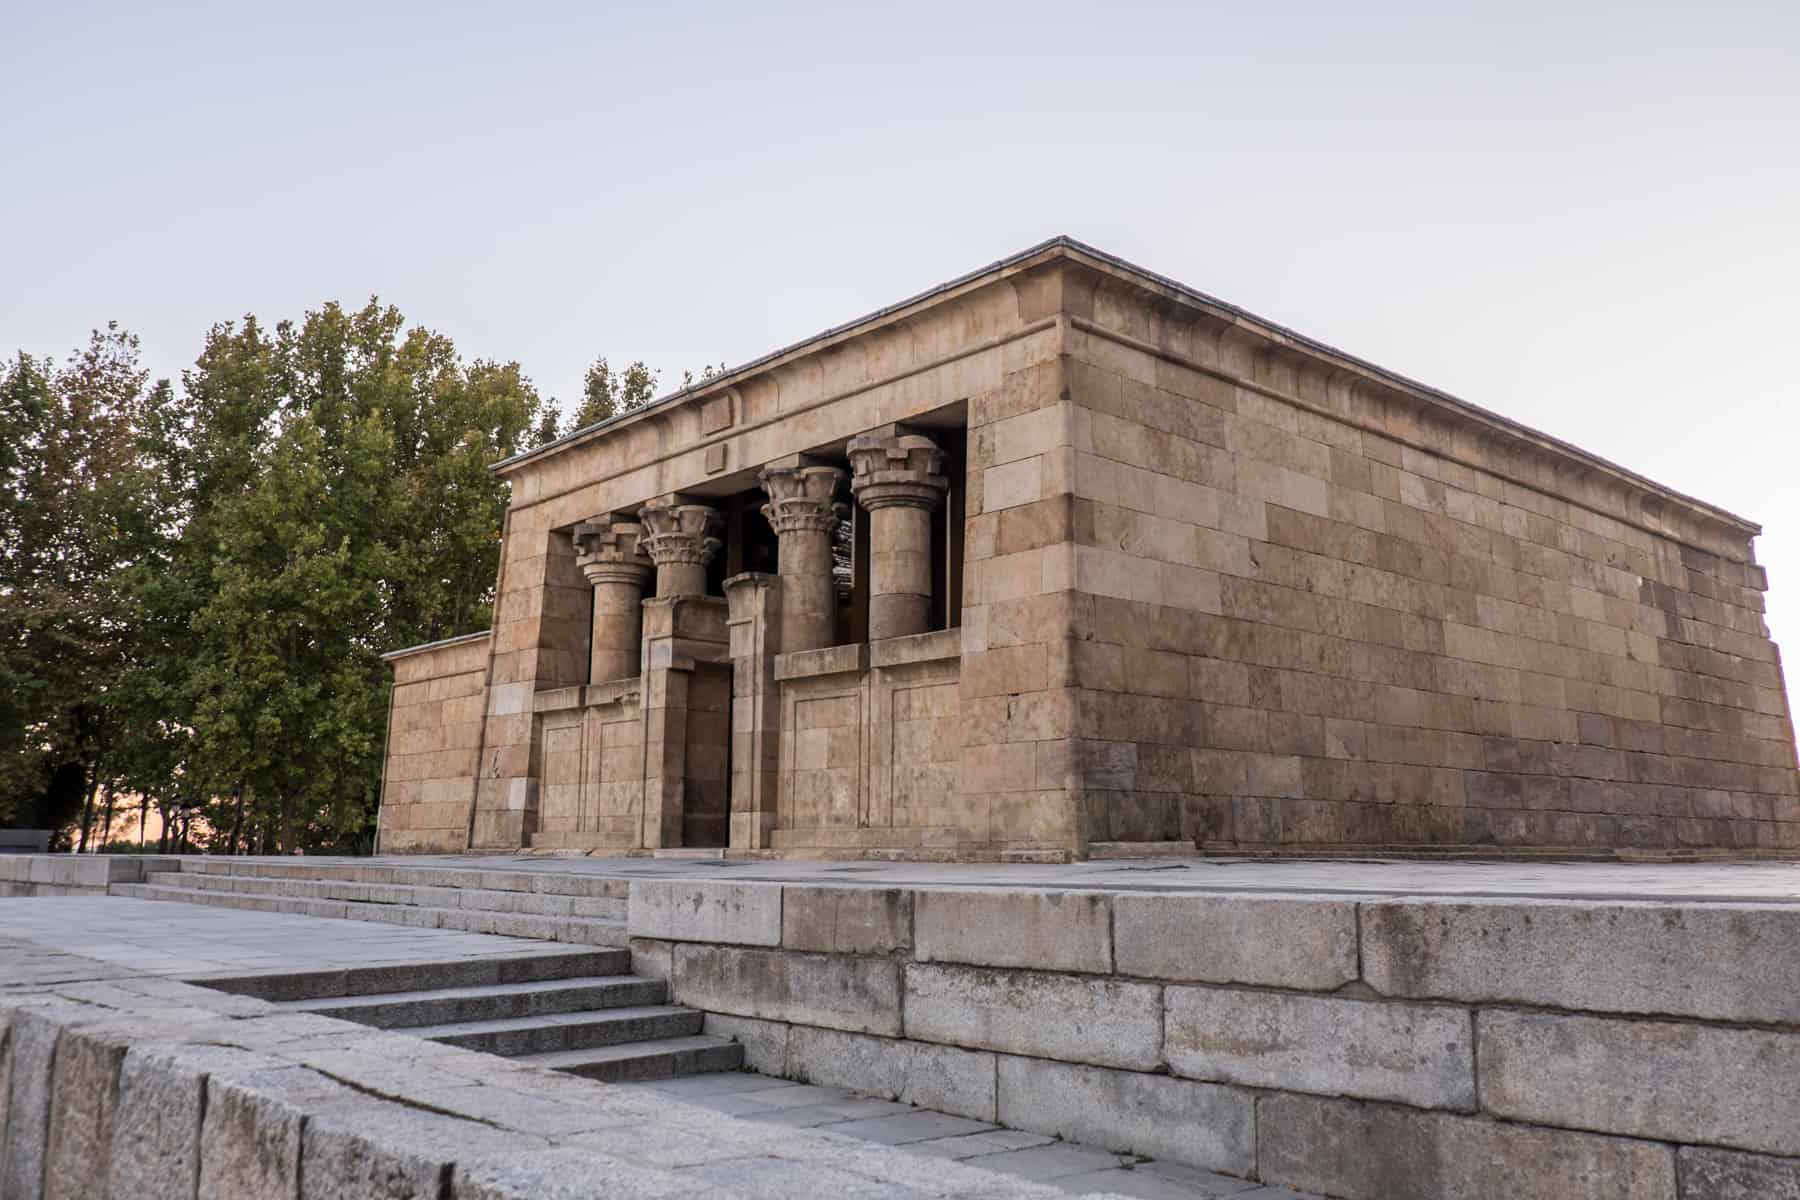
{"x":434,"y":741}
{"x":1304,"y":628}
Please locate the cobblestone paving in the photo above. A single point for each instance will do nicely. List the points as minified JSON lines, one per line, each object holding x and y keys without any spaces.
{"x":1079,"y":1170}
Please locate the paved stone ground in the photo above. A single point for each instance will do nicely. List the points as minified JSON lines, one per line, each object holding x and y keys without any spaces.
{"x":1752,"y":881}
{"x":1079,"y":1170}
{"x":189,"y":941}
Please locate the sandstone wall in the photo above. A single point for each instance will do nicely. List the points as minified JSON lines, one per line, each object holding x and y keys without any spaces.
{"x":1312,"y":613}
{"x":593,"y":762}
{"x":870,"y":746}
{"x":434,"y":741}
{"x":1388,"y":1049}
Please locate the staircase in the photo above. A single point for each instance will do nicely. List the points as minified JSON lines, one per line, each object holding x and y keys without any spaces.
{"x":549,"y":906}
{"x":581,"y":1012}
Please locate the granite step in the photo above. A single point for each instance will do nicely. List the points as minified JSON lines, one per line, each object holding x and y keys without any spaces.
{"x":566,"y":1031}
{"x":661,"y":1058}
{"x":591,"y":931}
{"x":391,"y":979}
{"x":492,"y":1002}
{"x":428,"y":896}
{"x":487,"y":878}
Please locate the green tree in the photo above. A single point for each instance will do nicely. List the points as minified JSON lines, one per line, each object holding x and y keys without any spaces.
{"x":606,"y":394}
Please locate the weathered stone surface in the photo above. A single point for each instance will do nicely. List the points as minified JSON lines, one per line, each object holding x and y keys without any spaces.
{"x":938,"y":1077}
{"x":249,"y":1145}
{"x":1711,"y":1174}
{"x":30,"y":1048}
{"x":652,"y":959}
{"x":84,"y":1093}
{"x":572,"y":1175}
{"x":765,"y":1043}
{"x":1674,"y":1081}
{"x":339,"y":1162}
{"x":156,"y":1126}
{"x":1199,"y":1124}
{"x":847,"y":920}
{"x":744,"y":914}
{"x":1415,"y":1054}
{"x":1269,"y":940}
{"x":1106,"y":1022}
{"x":1727,"y":962}
{"x":861,"y":995}
{"x":1364,"y":1151}
{"x":1045,"y":931}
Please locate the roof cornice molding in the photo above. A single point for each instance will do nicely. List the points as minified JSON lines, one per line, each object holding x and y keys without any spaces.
{"x":1647,"y":494}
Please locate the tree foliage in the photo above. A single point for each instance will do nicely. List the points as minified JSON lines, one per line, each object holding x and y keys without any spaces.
{"x":196,"y":582}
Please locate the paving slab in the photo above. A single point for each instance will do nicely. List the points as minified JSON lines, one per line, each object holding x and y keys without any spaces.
{"x":1070,"y":1166}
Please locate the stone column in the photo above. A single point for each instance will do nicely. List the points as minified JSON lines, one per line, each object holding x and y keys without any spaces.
{"x":899,"y":479}
{"x":610,"y":553}
{"x":681,"y":540}
{"x":804,"y":512}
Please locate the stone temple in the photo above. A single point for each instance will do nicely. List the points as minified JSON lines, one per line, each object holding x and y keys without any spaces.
{"x":1064,"y":559}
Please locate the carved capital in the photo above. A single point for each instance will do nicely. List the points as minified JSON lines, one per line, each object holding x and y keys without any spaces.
{"x":904,"y":469}
{"x":803,"y":498}
{"x":681,"y":533}
{"x":610,"y":550}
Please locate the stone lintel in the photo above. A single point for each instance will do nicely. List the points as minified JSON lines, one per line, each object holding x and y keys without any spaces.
{"x":830,"y":660}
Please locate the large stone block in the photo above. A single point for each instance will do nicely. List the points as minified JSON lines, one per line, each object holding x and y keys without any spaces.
{"x":1711,"y":1174}
{"x":681,"y":910}
{"x":156,"y":1126}
{"x":84,"y":1094}
{"x":1272,"y":941}
{"x":30,"y":1047}
{"x":249,"y":1145}
{"x":1106,"y":1022}
{"x":1364,"y":1151}
{"x":1199,"y":1124}
{"x":561,"y":1174}
{"x":765,"y":1043}
{"x":1045,"y":931}
{"x":1674,"y":1081}
{"x":861,"y":995}
{"x":1727,"y":962}
{"x":250,"y":1137}
{"x":1415,"y":1054}
{"x":938,"y":1077}
{"x":846,"y":920}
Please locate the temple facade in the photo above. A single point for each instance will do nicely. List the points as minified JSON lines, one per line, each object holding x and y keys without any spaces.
{"x":1063,"y":558}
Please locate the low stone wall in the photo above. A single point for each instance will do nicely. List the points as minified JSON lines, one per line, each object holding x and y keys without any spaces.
{"x":1377,"y":1049}
{"x":123,"y":1086}
{"x":75,"y":874}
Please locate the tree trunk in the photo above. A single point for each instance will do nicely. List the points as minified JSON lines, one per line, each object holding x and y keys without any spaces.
{"x":107,"y":820}
{"x":237,"y":820}
{"x":143,"y":819}
{"x":87,"y":806}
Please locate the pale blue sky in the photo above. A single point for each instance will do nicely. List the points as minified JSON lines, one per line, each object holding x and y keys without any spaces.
{"x":1583,"y":216}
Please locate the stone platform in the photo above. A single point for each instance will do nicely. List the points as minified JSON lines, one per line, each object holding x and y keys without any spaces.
{"x":1370,"y":1030}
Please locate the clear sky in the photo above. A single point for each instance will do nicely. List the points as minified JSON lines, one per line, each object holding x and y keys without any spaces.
{"x":1582,"y":215}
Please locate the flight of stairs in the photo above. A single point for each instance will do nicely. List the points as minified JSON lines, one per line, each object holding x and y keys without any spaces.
{"x":576,"y":1011}
{"x":549,"y":906}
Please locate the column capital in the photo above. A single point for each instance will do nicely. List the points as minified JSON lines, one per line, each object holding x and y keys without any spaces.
{"x":681,"y":533}
{"x":897,"y":469}
{"x":610,"y":550}
{"x":802,"y":498}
